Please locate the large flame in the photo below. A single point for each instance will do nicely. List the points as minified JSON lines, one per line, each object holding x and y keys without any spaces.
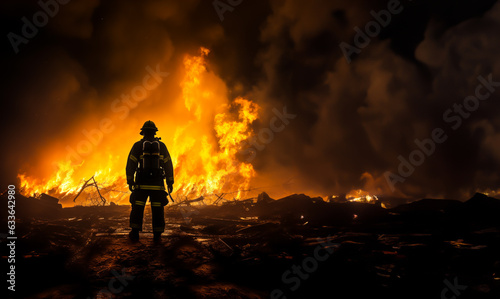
{"x":204,"y":166}
{"x":203,"y":148}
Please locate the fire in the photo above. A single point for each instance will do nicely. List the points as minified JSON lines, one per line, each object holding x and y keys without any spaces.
{"x":355,"y":195}
{"x":62,"y":182}
{"x":359,"y":195}
{"x":195,"y":66}
{"x":216,"y":168}
{"x":204,"y":166}
{"x":203,"y":147}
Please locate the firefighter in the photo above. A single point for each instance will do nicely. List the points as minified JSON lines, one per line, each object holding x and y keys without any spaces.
{"x":148,"y":165}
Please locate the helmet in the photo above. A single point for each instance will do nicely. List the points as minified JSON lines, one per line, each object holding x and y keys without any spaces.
{"x":148,"y":126}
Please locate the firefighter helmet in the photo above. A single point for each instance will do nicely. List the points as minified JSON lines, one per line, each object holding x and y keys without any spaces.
{"x":148,"y":126}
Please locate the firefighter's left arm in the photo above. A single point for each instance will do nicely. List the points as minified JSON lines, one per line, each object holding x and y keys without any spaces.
{"x":166,"y":163}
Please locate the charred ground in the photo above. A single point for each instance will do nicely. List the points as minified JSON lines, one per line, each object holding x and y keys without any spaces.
{"x":243,"y":249}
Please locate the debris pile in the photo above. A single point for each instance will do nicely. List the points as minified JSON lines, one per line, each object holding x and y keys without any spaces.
{"x":40,"y":206}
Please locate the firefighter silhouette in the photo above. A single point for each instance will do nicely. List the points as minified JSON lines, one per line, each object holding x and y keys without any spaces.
{"x":148,"y":165}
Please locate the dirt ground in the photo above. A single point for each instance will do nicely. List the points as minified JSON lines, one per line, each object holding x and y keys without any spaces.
{"x":248,"y":250}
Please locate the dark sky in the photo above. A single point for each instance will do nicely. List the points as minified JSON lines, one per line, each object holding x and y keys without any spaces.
{"x":353,"y":120}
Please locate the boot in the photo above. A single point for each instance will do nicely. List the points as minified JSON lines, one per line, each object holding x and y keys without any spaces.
{"x":157,"y":237}
{"x":134,"y":235}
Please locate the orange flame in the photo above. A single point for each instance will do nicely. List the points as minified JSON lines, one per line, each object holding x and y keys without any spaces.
{"x":204,"y":156}
{"x":359,"y":195}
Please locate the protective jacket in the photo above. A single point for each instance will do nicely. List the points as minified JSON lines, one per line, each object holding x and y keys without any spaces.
{"x":148,"y":164}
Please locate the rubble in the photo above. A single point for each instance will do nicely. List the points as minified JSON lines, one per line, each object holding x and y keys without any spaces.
{"x":243,"y":248}
{"x":42,"y":206}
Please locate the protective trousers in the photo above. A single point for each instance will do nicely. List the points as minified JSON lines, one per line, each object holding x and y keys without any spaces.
{"x":138,"y":200}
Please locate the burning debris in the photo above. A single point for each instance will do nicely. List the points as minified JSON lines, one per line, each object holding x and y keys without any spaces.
{"x":100,"y":201}
{"x":205,"y":159}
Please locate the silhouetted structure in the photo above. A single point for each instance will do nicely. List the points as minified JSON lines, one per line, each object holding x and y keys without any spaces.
{"x":148,"y":165}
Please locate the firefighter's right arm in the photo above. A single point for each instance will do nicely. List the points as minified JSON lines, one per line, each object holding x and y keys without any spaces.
{"x":131,"y":167}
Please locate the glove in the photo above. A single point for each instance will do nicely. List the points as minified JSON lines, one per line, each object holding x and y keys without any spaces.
{"x":164,"y":199}
{"x":170,"y":188}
